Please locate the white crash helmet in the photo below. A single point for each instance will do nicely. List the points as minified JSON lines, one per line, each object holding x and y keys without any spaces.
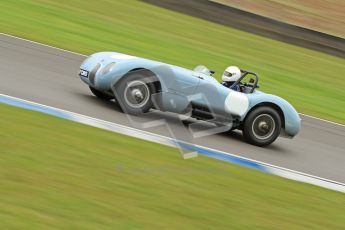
{"x":232,"y":73}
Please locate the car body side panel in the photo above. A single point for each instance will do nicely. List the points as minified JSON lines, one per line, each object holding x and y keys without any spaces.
{"x":212,"y":95}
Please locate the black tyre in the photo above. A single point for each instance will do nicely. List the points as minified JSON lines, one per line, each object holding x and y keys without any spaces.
{"x":262,"y":126}
{"x":133,"y":93}
{"x":100,"y":94}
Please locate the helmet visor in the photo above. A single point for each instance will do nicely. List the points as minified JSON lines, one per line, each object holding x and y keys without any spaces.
{"x":228,"y":74}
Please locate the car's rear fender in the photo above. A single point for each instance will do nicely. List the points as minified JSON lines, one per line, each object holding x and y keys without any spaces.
{"x":291,"y":121}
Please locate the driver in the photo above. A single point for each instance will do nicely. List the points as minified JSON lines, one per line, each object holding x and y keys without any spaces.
{"x":230,"y":76}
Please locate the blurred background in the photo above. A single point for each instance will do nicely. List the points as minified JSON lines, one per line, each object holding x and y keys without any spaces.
{"x":55,"y":174}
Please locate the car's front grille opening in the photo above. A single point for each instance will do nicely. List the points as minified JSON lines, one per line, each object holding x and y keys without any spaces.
{"x":93,"y":72}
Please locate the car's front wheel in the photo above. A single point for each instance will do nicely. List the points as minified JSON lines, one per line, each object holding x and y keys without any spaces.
{"x":133,"y":93}
{"x":262,"y":126}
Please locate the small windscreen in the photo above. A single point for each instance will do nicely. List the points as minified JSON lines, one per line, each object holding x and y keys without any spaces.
{"x":202,"y":69}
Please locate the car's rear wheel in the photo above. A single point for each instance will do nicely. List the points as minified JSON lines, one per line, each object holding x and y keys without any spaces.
{"x":262,"y":126}
{"x":101,"y":94}
{"x":133,"y":93}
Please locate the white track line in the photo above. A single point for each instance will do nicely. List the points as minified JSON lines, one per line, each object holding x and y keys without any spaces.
{"x":38,"y":43}
{"x":53,"y":47}
{"x":320,"y":119}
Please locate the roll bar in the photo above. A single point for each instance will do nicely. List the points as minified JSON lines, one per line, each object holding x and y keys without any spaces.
{"x":245,"y":73}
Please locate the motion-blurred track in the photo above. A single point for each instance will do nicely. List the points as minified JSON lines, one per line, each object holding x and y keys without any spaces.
{"x":49,"y":76}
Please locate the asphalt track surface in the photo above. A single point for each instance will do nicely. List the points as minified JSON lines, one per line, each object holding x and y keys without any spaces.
{"x":48,"y":76}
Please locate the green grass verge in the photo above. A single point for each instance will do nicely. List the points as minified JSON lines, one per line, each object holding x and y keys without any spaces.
{"x":56,"y":174}
{"x":310,"y":80}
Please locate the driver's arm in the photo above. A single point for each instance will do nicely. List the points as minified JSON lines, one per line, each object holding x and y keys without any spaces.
{"x":237,"y":88}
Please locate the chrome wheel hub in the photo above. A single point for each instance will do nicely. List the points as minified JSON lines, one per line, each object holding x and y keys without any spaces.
{"x":136,"y":94}
{"x":263,"y":126}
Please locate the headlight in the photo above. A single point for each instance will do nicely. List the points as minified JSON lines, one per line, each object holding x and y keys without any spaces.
{"x":108,"y":68}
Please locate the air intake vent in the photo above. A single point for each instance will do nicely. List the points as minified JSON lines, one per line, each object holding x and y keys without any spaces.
{"x":93,"y":72}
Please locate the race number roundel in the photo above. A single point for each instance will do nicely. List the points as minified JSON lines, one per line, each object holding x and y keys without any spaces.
{"x":236,"y":103}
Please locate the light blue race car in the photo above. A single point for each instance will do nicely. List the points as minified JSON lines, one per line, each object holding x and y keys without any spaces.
{"x":139,"y":84}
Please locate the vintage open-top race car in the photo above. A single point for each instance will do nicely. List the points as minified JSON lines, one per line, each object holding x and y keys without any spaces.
{"x":139,"y":84}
